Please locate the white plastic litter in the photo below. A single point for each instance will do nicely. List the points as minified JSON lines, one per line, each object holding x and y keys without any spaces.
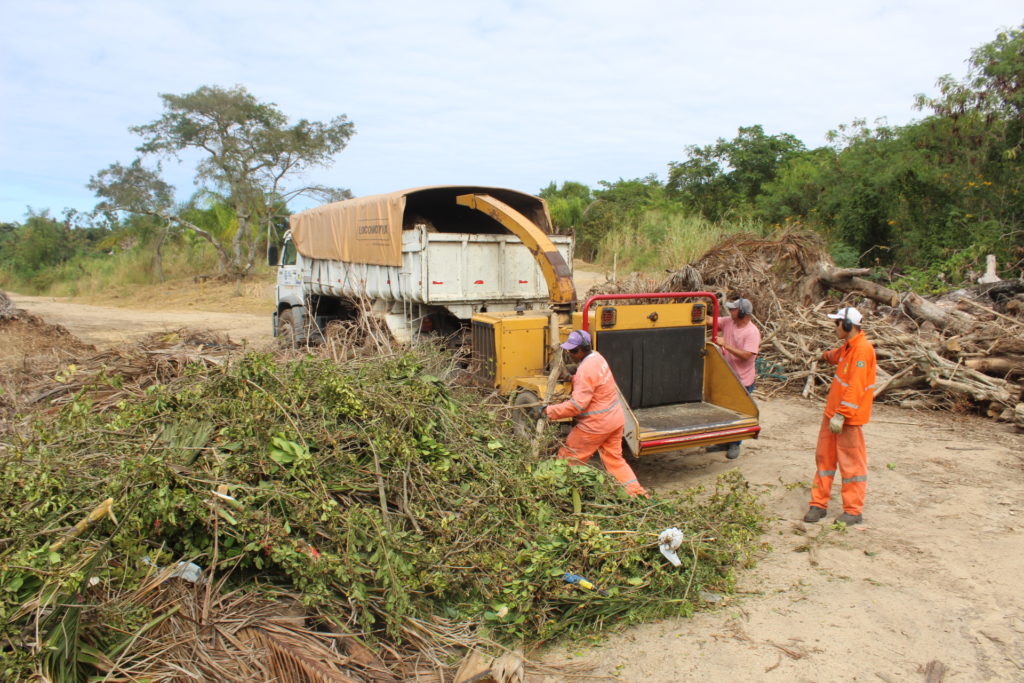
{"x":670,"y":539}
{"x":189,"y":571}
{"x":186,"y":571}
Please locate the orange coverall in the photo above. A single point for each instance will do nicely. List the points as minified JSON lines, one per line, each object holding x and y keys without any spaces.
{"x":599,"y":421}
{"x":851,"y":395}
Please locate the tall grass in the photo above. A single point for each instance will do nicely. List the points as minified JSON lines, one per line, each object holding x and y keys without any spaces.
{"x":666,"y":240}
{"x":92,"y":274}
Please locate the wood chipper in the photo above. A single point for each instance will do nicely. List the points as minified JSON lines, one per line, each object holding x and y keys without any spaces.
{"x":661,"y":347}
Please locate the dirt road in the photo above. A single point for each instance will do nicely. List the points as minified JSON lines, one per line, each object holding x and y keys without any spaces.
{"x":175,"y":305}
{"x":929,"y":584}
{"x":105,"y":326}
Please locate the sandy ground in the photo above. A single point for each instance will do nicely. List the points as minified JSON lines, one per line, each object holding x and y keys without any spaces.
{"x":928,"y":586}
{"x":933,"y":576}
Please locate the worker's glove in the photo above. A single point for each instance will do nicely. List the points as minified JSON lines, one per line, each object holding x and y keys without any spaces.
{"x":538,"y":413}
{"x":836,"y":423}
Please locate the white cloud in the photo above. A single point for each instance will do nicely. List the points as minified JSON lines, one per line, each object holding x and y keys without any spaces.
{"x":514,"y":93}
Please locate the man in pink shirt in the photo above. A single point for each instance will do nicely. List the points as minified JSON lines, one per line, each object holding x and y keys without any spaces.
{"x":740,"y":342}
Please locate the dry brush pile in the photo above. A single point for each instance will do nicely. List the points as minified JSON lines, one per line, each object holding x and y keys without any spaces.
{"x":963,"y":351}
{"x":180,"y":511}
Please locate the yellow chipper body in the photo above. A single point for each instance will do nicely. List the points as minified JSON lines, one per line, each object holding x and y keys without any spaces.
{"x":679,"y":390}
{"x":677,"y":387}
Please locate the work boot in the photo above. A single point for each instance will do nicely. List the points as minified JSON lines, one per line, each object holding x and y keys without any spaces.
{"x":814,"y":514}
{"x":734,"y":451}
{"x":848,"y":519}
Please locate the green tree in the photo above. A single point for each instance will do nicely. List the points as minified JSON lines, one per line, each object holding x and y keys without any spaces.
{"x":249,"y":154}
{"x":568,"y":204}
{"x":977,"y":139}
{"x":798,"y":187}
{"x":618,"y":205}
{"x":719,"y":179}
{"x":8,"y":233}
{"x":918,"y":195}
{"x":140,"y":192}
{"x":41,"y":242}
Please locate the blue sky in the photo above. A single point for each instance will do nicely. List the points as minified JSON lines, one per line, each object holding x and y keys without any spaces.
{"x":515,"y":94}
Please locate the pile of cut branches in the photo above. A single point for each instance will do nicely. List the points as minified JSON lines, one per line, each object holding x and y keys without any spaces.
{"x":963,"y":351}
{"x":153,"y":523}
{"x":26,"y":340}
{"x":955,"y":353}
{"x":7,"y":309}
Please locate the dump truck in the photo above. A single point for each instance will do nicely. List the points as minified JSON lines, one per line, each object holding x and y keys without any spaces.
{"x":415,"y":259}
{"x":482,"y":262}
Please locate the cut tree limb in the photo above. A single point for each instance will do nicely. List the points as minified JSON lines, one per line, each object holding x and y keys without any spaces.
{"x":997,"y":365}
{"x":846,"y":280}
{"x":925,"y":311}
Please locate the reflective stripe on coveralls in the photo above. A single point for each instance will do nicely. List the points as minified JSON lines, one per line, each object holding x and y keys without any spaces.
{"x":599,"y":421}
{"x":598,"y":412}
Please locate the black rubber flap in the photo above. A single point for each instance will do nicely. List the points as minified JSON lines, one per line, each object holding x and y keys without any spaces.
{"x":656,"y":367}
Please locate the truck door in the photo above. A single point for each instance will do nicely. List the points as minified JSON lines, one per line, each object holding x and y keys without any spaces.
{"x":289,"y":275}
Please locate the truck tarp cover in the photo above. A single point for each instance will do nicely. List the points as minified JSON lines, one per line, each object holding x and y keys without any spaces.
{"x":369,"y":229}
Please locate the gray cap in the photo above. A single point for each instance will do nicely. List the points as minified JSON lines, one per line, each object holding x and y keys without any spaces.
{"x":744,"y":306}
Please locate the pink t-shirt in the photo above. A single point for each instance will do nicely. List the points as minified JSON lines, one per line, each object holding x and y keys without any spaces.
{"x":748,"y":338}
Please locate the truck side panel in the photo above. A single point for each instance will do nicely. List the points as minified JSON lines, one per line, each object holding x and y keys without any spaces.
{"x":441,"y":269}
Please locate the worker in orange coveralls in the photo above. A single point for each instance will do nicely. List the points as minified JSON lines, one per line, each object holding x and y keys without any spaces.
{"x":599,"y":418}
{"x":840,"y":440}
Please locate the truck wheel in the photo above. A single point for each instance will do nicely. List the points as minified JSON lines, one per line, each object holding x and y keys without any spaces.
{"x":286,"y":336}
{"x":522,"y":424}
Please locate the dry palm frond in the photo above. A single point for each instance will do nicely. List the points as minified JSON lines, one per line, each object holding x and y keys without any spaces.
{"x":156,"y":359}
{"x":234,"y":636}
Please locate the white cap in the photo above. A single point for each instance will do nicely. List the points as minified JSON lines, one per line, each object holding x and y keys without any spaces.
{"x":849,"y":313}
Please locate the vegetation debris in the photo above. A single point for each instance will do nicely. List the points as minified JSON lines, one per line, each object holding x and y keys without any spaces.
{"x":395,"y":511}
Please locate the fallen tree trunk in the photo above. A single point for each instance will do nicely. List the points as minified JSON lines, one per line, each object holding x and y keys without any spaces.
{"x":922,"y":310}
{"x":978,"y":392}
{"x":846,"y":280}
{"x":925,"y":311}
{"x":997,"y":365}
